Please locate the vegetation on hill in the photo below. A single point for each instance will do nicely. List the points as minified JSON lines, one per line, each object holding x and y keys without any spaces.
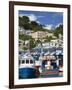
{"x":31,"y":40}
{"x":58,"y":30}
{"x":26,"y":24}
{"x":24,"y":37}
{"x":48,"y":39}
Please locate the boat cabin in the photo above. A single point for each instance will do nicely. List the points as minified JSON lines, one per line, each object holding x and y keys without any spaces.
{"x":26,"y":62}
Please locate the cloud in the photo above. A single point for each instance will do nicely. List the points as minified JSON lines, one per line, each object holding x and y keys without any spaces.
{"x":32,"y":17}
{"x":21,"y":15}
{"x":49,"y":27}
{"x":38,"y":22}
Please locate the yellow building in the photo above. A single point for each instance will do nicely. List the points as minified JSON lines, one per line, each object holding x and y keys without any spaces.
{"x":40,"y":34}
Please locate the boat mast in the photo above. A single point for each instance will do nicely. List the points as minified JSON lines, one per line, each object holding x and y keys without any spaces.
{"x":41,"y":58}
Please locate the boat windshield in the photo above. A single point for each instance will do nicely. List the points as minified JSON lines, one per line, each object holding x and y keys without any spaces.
{"x":23,"y":61}
{"x":27,"y":61}
{"x":31,"y":61}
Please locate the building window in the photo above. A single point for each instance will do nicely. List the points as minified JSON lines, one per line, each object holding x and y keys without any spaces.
{"x":19,"y":44}
{"x":19,"y":41}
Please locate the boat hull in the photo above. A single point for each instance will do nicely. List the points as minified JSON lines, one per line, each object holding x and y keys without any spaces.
{"x":50,"y":73}
{"x":26,"y":73}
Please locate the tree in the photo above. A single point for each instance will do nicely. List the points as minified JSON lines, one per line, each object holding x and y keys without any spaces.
{"x":58,"y":30}
{"x":31,"y":40}
{"x":38,"y":41}
{"x":32,"y":43}
{"x":20,"y":22}
{"x":24,"y":22}
{"x":24,"y":37}
{"x":48,"y":39}
{"x":33,"y":23}
{"x":36,"y":26}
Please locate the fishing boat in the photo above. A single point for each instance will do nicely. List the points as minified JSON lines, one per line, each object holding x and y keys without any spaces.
{"x":27,"y":68}
{"x":48,"y":65}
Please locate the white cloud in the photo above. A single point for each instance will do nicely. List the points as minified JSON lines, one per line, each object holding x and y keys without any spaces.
{"x":49,"y":27}
{"x":32,"y":17}
{"x":38,"y":22}
{"x":21,"y":15}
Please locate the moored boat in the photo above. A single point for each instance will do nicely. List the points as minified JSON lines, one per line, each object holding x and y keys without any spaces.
{"x":27,"y":68}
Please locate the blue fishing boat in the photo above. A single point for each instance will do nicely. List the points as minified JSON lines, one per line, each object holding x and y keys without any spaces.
{"x":27,"y":68}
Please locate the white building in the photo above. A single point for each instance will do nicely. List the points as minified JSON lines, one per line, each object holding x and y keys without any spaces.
{"x":23,"y":44}
{"x":23,"y":31}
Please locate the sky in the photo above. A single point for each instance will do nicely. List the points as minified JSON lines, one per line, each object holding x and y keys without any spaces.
{"x":49,"y":19}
